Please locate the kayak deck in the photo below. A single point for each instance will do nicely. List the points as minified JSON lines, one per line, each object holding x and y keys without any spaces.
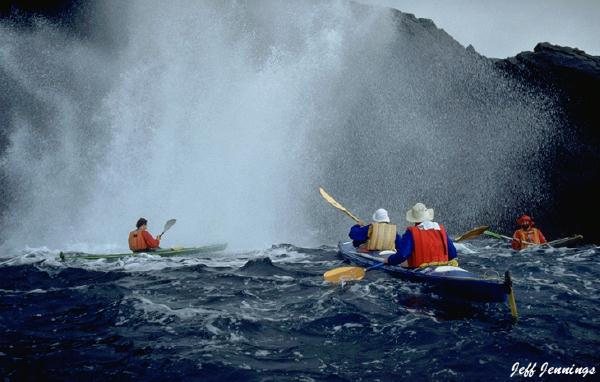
{"x":449,"y":281}
{"x":163,"y":252}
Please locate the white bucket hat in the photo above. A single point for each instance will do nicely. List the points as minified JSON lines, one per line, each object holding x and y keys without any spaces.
{"x":381,"y":216}
{"x":419,"y":213}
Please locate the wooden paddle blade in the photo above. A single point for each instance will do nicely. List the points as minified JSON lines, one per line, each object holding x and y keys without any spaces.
{"x":337,"y":205}
{"x":472,"y":233}
{"x":338,"y":275}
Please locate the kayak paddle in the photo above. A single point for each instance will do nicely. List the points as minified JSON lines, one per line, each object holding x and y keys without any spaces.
{"x":338,"y":275}
{"x":344,"y":273}
{"x":472,"y":233}
{"x":556,"y":243}
{"x":511,"y":296}
{"x":170,"y":223}
{"x":337,"y":205}
{"x":500,"y":236}
{"x":559,"y":242}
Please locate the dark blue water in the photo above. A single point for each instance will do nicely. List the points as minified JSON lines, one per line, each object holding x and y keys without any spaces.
{"x":269,"y":316}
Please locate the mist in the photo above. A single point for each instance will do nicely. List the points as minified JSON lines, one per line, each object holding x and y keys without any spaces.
{"x":227,"y":116}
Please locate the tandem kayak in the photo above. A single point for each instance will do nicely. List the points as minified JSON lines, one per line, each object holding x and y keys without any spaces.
{"x":449,"y":281}
{"x":163,"y":252}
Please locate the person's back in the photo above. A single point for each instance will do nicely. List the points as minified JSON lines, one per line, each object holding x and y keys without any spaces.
{"x":136,"y":241}
{"x":430,"y":244}
{"x":527,"y":234}
{"x":424,"y":243}
{"x":380,"y":235}
{"x":140,"y":239}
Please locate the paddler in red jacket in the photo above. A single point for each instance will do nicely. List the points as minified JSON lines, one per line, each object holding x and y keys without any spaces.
{"x":527,"y":234}
{"x":141,"y":240}
{"x":424,"y":243}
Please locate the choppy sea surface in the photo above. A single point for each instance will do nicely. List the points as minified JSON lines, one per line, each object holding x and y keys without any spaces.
{"x":267,"y":315}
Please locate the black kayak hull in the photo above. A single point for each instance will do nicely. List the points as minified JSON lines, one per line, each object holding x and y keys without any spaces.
{"x":452,"y":282}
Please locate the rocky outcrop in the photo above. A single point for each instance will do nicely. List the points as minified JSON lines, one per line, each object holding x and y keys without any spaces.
{"x":24,"y":13}
{"x":573,"y":78}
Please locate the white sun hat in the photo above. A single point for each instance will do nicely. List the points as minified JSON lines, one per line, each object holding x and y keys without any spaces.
{"x":381,"y":216}
{"x":419,"y":213}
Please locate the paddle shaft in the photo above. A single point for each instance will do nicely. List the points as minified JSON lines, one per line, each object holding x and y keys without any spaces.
{"x":511,"y":296}
{"x":500,"y":236}
{"x":378,"y":265}
{"x":565,"y":239}
{"x":329,"y":199}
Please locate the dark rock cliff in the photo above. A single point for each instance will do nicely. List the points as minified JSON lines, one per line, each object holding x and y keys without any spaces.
{"x":573,"y":78}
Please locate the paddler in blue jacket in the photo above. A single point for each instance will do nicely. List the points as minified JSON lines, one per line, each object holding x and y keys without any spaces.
{"x":380,"y":235}
{"x":425,"y":242}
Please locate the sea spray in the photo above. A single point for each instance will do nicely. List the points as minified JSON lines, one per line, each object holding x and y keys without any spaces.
{"x":227,"y":116}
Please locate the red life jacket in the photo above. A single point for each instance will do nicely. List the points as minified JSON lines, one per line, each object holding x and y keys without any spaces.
{"x":136,"y":241}
{"x":431,"y":245}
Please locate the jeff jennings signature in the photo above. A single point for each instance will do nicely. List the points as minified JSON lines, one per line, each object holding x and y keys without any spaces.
{"x":531,"y":370}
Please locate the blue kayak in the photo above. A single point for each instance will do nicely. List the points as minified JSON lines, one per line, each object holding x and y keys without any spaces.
{"x":448,"y":281}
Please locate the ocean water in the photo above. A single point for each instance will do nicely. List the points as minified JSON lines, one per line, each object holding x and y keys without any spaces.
{"x":267,"y":315}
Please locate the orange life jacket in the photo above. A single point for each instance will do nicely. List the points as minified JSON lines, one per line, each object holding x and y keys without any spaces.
{"x":136,"y":241}
{"x":431,"y":245}
{"x":531,"y":236}
{"x":382,"y":237}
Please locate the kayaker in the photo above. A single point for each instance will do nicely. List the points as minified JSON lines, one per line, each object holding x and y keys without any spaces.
{"x":527,"y":234}
{"x":141,"y":240}
{"x":380,"y":235}
{"x":425,"y":242}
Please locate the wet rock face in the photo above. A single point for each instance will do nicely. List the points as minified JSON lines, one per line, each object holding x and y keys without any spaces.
{"x":573,"y":78}
{"x":554,"y":61}
{"x":25,"y":12}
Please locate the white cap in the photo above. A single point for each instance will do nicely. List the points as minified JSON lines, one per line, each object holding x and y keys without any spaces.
{"x":381,"y":216}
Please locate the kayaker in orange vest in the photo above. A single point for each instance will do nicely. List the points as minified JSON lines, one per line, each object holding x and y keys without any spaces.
{"x":140,"y":239}
{"x":380,"y":235}
{"x":425,"y":242}
{"x":527,"y":234}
